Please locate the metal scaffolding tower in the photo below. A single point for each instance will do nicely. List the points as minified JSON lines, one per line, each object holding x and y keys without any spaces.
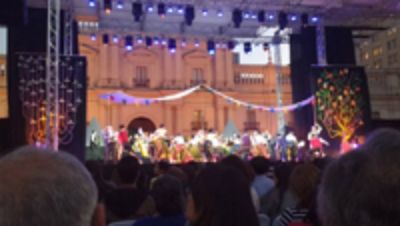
{"x":321,"y":48}
{"x":52,"y":73}
{"x":68,"y":28}
{"x":276,"y":42}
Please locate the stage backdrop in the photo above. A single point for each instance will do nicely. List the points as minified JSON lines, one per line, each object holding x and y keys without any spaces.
{"x":342,"y":102}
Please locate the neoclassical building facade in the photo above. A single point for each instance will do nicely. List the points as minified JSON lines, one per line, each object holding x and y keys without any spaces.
{"x":154,"y":71}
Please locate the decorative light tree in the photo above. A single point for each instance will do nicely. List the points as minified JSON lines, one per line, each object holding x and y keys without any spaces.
{"x":339,"y":102}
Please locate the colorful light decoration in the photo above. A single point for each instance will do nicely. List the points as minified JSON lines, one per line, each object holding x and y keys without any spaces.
{"x":339,"y":102}
{"x":32,"y":86}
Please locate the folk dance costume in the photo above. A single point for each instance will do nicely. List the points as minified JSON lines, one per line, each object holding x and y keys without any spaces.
{"x":316,"y":142}
{"x":110,"y":139}
{"x":259,"y":144}
{"x":292,"y":147}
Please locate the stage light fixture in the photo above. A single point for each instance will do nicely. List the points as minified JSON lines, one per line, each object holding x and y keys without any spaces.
{"x":149,"y":41}
{"x":189,"y":15}
{"x":107,"y":6}
{"x":246,"y":15}
{"x":271,"y":17}
{"x":180,"y":10}
{"x":163,"y":42}
{"x":172,"y":45}
{"x":266,"y":46}
{"x":120,"y":4}
{"x":261,"y":16}
{"x":231,"y":45}
{"x":314,"y":19}
{"x":211,"y":47}
{"x":106,"y":39}
{"x":183,"y":43}
{"x":237,"y":17}
{"x":115,"y":39}
{"x":293,"y":18}
{"x":220,"y":13}
{"x":137,"y":10}
{"x":204,"y":12}
{"x":253,"y":16}
{"x":156,"y":41}
{"x":247,"y":47}
{"x":92,"y":3}
{"x":170,"y":9}
{"x":196,"y":43}
{"x":161,"y":9}
{"x":282,"y":20}
{"x":139,"y":39}
{"x":93,"y":37}
{"x":150,"y":8}
{"x":129,"y":43}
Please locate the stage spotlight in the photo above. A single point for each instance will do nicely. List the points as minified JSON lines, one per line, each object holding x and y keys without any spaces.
{"x":163,"y":42}
{"x":139,"y":39}
{"x":231,"y":45}
{"x":170,"y":9}
{"x":180,"y":10}
{"x":261,"y":16}
{"x":161,"y":9}
{"x":106,"y":39}
{"x":149,"y":41}
{"x":137,"y":10}
{"x":196,"y":43}
{"x":211,"y":47}
{"x":172,"y":45}
{"x":204,"y":12}
{"x":93,"y":37}
{"x":156,"y":41}
{"x":107,"y":6}
{"x":247,"y":47}
{"x":189,"y":15}
{"x":304,"y":19}
{"x":183,"y":43}
{"x":220,"y":13}
{"x":266,"y":46}
{"x":253,"y":16}
{"x":271,"y":17}
{"x":150,"y":8}
{"x":246,"y":15}
{"x":293,"y":18}
{"x":314,"y":19}
{"x":120,"y":4}
{"x":92,"y":3}
{"x":282,"y":20}
{"x":115,"y":39}
{"x":129,"y":43}
{"x":237,"y":17}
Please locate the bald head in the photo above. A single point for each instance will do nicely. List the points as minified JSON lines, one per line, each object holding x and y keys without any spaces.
{"x":45,"y":188}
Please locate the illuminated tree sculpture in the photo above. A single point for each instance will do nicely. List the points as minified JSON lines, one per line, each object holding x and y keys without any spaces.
{"x":339,"y":102}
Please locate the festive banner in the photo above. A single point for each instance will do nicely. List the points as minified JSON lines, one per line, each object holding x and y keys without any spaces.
{"x":120,"y":97}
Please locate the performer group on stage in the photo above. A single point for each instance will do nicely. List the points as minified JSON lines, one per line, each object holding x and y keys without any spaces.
{"x":208,"y":145}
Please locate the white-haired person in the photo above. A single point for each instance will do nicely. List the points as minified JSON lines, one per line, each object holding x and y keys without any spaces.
{"x":45,"y":188}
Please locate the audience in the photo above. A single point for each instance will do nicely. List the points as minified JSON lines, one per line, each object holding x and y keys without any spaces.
{"x":261,"y":183}
{"x":127,"y":201}
{"x":45,"y":188}
{"x":220,"y":196}
{"x":303,"y":183}
{"x":363,"y":187}
{"x":167,"y":193}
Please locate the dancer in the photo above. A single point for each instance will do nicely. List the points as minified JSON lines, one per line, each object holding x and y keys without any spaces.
{"x":316,"y":142}
{"x":110,"y":140}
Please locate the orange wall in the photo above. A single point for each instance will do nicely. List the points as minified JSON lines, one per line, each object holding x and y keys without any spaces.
{"x":111,"y":68}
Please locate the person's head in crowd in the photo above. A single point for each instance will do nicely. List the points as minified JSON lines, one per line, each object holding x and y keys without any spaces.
{"x":384,"y":141}
{"x":303,"y":182}
{"x":237,"y":163}
{"x":128,"y":170}
{"x":260,"y":165}
{"x":178,"y":173}
{"x":44,"y":187}
{"x":361,"y":189}
{"x":167,"y":193}
{"x":161,"y":167}
{"x":220,"y":196}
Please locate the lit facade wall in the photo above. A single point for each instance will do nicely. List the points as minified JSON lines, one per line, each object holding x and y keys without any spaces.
{"x":154,"y":72}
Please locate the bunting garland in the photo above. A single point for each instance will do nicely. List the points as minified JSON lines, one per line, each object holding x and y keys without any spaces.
{"x":123,"y":98}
